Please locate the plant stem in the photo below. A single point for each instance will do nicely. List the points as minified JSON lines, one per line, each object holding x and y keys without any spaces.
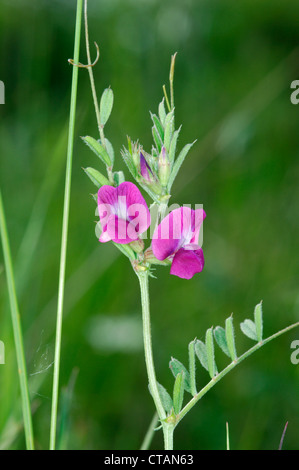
{"x":167,"y":428}
{"x":17,"y":330}
{"x":90,"y":72}
{"x":93,"y":89}
{"x":65,"y":221}
{"x":150,"y":432}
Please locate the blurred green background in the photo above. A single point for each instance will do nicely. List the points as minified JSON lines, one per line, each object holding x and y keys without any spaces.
{"x":235,"y":64}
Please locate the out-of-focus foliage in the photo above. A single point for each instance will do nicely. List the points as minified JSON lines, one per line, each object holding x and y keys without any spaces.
{"x":234,"y":67}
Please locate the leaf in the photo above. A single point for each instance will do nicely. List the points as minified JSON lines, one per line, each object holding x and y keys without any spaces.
{"x":249,"y":329}
{"x":118,"y":177}
{"x":162,"y":112}
{"x":158,"y":126}
{"x":168,"y":131}
{"x":126,"y":250}
{"x":157,"y":139}
{"x":219,"y":334}
{"x":178,"y":392}
{"x":178,"y":163}
{"x":230,"y":338}
{"x":106,"y":105}
{"x":129,"y":162}
{"x":165,"y":398}
{"x":173,"y":143}
{"x":110,"y":150}
{"x":201,"y":353}
{"x":258,"y":319}
{"x":210,"y":353}
{"x":176,"y":367}
{"x":96,"y":177}
{"x":192,"y":367}
{"x":98,"y":149}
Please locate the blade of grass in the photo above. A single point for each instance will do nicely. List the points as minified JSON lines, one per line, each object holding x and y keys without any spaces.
{"x":17,"y":330}
{"x":66,"y":208}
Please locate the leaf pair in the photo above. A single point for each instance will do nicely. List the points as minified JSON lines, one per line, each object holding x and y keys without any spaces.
{"x":102,"y":148}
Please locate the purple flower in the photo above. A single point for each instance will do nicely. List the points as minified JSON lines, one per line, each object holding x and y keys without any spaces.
{"x":145,"y":169}
{"x":123,"y":213}
{"x":177,"y":238}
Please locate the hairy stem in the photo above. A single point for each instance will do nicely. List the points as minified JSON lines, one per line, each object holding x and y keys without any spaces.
{"x":146,"y":321}
{"x":17,"y":331}
{"x":65,"y":221}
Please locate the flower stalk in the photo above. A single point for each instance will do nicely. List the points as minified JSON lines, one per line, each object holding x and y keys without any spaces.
{"x":149,"y":360}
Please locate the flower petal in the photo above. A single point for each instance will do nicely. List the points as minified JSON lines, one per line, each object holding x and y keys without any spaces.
{"x":137,"y":210}
{"x":186,"y":263}
{"x":126,"y":203}
{"x":120,"y":230}
{"x":177,"y":229}
{"x":167,"y":237}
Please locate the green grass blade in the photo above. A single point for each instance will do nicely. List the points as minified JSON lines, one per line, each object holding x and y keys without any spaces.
{"x":64,"y":237}
{"x":17,"y":330}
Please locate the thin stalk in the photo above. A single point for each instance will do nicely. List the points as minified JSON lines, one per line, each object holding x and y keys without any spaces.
{"x":17,"y":331}
{"x":150,"y":432}
{"x":147,"y":338}
{"x":65,"y":221}
{"x":167,"y":427}
{"x":93,"y":88}
{"x":231,"y":366}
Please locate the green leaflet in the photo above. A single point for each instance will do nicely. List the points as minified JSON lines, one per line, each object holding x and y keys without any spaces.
{"x":162,"y":112}
{"x":106,"y":105}
{"x":249,"y":329}
{"x":176,"y":367}
{"x":201,"y":353}
{"x":96,"y":177}
{"x":158,"y":126}
{"x":125,"y":249}
{"x":157,"y":139}
{"x":118,"y":177}
{"x":173,"y":143}
{"x":210,"y":353}
{"x":219,"y":334}
{"x":165,"y":398}
{"x":192,"y":367}
{"x":98,"y":149}
{"x":168,"y":131}
{"x":178,"y":392}
{"x":258,"y":319}
{"x":177,"y":164}
{"x":110,"y":150}
{"x":230,"y":338}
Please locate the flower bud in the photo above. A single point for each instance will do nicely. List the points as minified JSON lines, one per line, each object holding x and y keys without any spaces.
{"x":164,"y":167}
{"x":145,"y":169}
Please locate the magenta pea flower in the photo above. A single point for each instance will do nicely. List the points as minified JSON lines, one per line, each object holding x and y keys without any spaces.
{"x":177,"y":238}
{"x":123,"y":212}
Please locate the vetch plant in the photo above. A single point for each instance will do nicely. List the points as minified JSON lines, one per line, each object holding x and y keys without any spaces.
{"x":129,"y":210}
{"x":124,"y":217}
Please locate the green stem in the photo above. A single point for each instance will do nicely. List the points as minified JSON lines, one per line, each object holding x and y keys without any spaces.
{"x":65,"y":228}
{"x":167,"y":428}
{"x":17,"y":330}
{"x":150,"y":432}
{"x":93,"y":89}
{"x":231,"y":366}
